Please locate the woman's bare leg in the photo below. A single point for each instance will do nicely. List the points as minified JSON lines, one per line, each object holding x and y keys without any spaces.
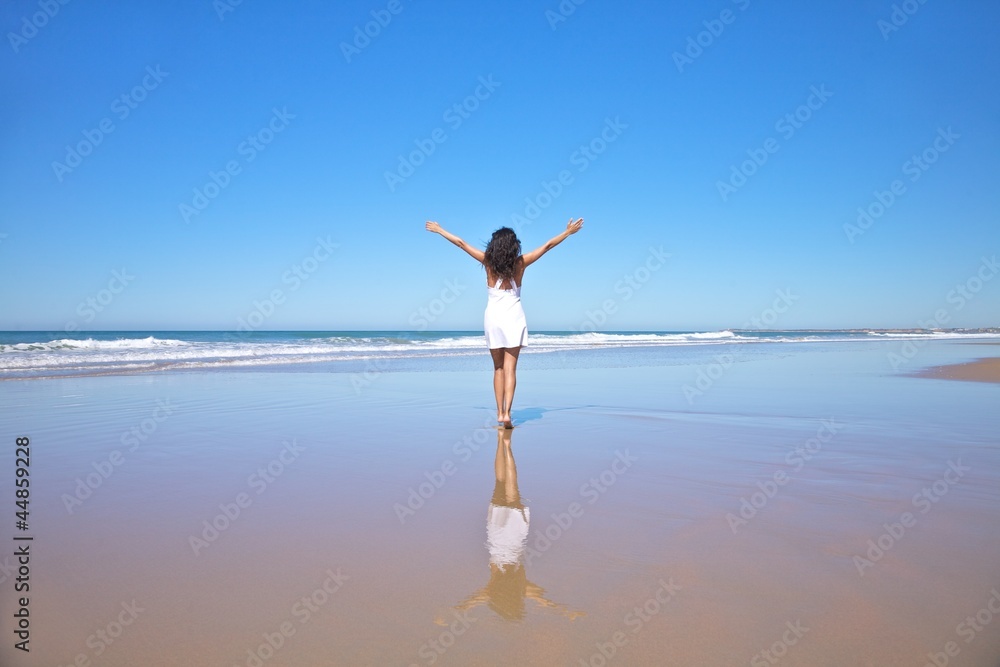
{"x":500,"y":463}
{"x":505,"y":469}
{"x":497,"y":355}
{"x":509,"y":382}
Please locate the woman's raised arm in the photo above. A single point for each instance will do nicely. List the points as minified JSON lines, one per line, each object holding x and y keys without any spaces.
{"x":572,"y":227}
{"x":476,"y":253}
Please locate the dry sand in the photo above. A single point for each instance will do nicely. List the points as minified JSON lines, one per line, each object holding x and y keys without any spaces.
{"x":981,"y":370}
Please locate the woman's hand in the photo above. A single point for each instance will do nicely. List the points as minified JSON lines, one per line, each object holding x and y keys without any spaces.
{"x":433,"y":227}
{"x":573,"y":226}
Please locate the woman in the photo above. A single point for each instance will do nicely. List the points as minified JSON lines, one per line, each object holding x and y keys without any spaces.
{"x":506,"y":330}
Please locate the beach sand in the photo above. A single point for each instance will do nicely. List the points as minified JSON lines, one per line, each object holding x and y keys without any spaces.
{"x":981,"y":370}
{"x":815,"y":504}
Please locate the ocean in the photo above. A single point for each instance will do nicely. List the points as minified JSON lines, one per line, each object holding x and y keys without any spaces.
{"x":34,"y":354}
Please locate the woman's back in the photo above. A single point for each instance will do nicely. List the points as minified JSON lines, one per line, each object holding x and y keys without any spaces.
{"x":492,"y":277}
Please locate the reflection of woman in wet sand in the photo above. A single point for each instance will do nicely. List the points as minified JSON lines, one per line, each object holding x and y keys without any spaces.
{"x":506,"y":534}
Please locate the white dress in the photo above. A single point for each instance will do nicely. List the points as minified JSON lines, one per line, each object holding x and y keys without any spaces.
{"x":506,"y":533}
{"x":504,"y":319}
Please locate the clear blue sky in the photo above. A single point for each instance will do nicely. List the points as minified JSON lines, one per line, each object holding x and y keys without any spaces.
{"x":199,"y":82}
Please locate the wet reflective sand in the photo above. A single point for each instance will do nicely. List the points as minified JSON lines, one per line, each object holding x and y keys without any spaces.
{"x":817,"y":507}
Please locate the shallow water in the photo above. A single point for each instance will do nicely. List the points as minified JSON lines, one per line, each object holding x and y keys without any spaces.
{"x":363,"y":522}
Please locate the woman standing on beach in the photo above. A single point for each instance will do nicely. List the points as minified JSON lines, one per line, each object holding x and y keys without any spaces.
{"x":506,"y":329}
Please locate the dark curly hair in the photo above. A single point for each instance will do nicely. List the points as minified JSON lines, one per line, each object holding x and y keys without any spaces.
{"x":502,"y":252}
